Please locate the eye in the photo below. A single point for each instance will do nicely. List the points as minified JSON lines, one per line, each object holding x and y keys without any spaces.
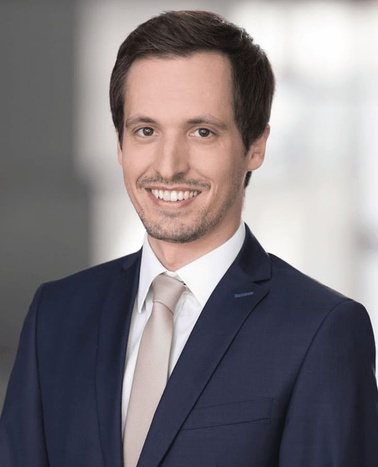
{"x":202,"y":133}
{"x":145,"y":131}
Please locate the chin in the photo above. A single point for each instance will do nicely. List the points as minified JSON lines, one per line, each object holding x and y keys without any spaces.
{"x":183,"y":236}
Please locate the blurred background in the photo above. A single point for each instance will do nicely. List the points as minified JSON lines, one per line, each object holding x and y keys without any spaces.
{"x":63,"y":206}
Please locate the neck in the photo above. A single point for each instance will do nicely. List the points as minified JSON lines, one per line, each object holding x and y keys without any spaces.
{"x":174,"y":256}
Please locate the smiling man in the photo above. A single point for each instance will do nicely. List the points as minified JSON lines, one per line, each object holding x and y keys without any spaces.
{"x":200,"y":349}
{"x":185,"y":162}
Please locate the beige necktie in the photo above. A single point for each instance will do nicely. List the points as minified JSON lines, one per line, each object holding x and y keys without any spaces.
{"x":152,"y":366}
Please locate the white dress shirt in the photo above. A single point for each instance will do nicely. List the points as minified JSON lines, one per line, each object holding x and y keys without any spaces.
{"x":200,"y":276}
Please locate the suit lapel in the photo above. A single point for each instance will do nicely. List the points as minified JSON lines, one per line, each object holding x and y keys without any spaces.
{"x":112,"y":343}
{"x":229,"y":306}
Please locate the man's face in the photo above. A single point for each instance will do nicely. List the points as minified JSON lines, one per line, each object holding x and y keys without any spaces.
{"x":182,"y":155}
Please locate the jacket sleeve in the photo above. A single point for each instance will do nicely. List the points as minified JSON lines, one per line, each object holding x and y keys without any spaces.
{"x":22,"y":441}
{"x":332,"y":420}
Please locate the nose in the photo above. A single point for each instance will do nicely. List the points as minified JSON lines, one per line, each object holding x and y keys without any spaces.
{"x":172,"y":158}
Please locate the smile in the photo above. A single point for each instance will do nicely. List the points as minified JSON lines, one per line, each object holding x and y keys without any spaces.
{"x":174,"y":195}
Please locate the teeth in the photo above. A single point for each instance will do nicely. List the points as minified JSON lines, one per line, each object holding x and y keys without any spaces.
{"x":173,"y":195}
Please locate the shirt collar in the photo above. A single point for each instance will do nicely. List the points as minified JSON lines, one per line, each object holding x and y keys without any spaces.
{"x":201,"y":275}
{"x":150,"y":267}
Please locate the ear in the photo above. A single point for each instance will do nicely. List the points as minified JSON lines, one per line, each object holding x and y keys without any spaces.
{"x":256,"y":152}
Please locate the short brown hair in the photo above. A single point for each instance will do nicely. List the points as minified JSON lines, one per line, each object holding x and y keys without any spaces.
{"x":182,"y":33}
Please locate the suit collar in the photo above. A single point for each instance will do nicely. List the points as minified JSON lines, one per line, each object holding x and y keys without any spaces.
{"x":253,"y":260}
{"x":235,"y":297}
{"x":112,"y":343}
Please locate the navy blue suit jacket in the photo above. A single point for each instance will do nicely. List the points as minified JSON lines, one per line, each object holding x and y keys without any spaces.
{"x":278,"y":372}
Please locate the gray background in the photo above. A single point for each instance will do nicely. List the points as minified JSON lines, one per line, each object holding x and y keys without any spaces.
{"x":43,"y":204}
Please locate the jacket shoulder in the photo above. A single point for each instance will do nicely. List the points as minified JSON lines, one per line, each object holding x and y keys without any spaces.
{"x":295,"y":283}
{"x":94,"y":277}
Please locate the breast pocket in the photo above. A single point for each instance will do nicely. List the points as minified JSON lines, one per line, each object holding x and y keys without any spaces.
{"x":229,"y":414}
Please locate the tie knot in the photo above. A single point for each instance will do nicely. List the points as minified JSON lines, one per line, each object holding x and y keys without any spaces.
{"x":167,"y":290}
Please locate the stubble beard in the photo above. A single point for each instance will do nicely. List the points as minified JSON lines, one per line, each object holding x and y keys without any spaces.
{"x":174,"y":231}
{"x":171,"y":229}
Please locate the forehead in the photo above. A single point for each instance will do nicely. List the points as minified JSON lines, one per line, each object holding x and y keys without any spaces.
{"x":200,"y":78}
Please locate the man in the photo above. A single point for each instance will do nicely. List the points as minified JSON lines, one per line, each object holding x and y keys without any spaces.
{"x":267,"y":368}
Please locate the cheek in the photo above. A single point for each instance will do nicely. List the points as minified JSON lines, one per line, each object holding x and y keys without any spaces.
{"x":228,"y":171}
{"x":131,"y":167}
{"x":129,"y":176}
{"x":214,"y":166}
{"x":136,"y":161}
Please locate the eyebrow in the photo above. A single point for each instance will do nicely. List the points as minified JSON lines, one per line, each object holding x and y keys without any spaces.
{"x":139,"y":119}
{"x":209,"y":120}
{"x":205,"y":119}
